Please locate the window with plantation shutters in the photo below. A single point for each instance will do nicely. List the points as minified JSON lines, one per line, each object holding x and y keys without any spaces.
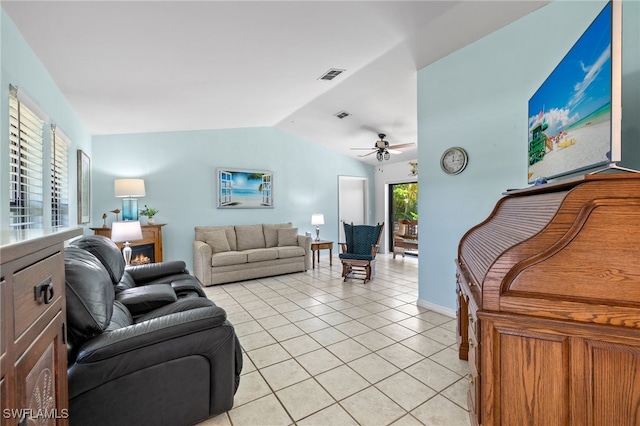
{"x":59,"y":178}
{"x":26,"y":196}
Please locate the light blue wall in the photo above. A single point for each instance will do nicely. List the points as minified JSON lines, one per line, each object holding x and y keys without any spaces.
{"x":179,"y":169}
{"x":477,"y":98}
{"x":20,"y":67}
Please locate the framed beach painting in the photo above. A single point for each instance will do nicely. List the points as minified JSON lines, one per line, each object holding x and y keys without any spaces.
{"x":244,"y":189}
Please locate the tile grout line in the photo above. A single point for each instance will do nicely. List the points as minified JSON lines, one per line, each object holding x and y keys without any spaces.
{"x":305,"y":294}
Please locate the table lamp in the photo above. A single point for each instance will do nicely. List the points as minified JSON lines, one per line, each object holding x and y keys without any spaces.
{"x":317,"y":219}
{"x":125,"y":232}
{"x":127,"y":189}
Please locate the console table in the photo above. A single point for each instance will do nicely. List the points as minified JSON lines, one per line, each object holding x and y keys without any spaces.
{"x":549,"y":305}
{"x":33,"y":352}
{"x":316,"y":246}
{"x":151,"y":234}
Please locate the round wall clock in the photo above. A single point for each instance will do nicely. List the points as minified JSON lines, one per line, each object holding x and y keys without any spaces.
{"x":454,"y":160}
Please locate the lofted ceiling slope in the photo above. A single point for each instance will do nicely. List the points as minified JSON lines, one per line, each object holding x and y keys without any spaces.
{"x":152,"y":66}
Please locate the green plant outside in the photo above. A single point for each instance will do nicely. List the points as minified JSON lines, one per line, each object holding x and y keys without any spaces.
{"x":405,"y":201}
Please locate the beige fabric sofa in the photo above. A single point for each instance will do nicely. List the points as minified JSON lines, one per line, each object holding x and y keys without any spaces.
{"x":223,"y":254}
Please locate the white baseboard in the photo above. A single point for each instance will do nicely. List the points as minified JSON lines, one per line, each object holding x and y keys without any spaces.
{"x":436,"y":308}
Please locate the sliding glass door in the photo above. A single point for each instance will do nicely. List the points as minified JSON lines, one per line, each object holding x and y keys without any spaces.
{"x":403,"y":207}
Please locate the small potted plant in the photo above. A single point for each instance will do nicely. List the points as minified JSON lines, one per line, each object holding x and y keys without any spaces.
{"x":149,"y":212}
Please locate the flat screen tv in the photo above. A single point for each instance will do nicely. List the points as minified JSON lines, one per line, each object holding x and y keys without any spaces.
{"x":575,"y":115}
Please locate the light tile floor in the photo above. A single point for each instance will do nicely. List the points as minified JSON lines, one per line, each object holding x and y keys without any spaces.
{"x":318,"y":351}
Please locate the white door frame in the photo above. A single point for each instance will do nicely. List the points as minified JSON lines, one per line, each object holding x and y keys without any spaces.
{"x":353,"y":202}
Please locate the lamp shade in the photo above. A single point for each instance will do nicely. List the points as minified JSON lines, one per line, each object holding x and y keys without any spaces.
{"x":127,"y":230}
{"x":129,"y":187}
{"x":317,"y":219}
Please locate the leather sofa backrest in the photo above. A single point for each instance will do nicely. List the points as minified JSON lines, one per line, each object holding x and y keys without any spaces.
{"x":106,"y":251}
{"x":90,"y":294}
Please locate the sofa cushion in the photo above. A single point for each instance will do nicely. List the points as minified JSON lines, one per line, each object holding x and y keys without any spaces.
{"x":259,"y":255}
{"x":106,"y":251}
{"x":249,"y":237}
{"x":229,"y":230}
{"x":90,"y":294}
{"x":290,"y":251}
{"x":217,"y":239}
{"x":228,"y":258}
{"x":121,"y":317}
{"x":271,"y":233}
{"x":287,"y":237}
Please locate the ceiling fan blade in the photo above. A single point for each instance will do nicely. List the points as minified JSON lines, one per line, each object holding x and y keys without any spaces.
{"x":364,"y":155}
{"x":402,"y":145}
{"x":368,"y":149}
{"x":394,"y":151}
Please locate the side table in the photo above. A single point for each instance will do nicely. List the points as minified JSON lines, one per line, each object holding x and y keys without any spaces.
{"x":316,"y":246}
{"x":151,"y":234}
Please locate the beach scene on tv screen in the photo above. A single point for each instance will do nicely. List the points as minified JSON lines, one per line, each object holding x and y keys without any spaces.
{"x":570,"y":114}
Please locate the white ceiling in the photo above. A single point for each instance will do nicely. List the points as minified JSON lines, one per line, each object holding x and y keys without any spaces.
{"x":150,"y":66}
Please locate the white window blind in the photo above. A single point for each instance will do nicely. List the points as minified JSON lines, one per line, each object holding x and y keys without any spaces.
{"x":26,"y":195}
{"x":59,"y":178}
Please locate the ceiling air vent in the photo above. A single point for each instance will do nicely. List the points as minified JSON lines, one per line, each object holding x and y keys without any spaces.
{"x":342,"y":114}
{"x":331,"y":74}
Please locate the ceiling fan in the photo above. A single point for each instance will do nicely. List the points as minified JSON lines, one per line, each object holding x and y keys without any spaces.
{"x":383,"y":150}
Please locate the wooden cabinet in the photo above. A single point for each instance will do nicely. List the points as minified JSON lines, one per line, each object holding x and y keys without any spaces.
{"x":549,"y":305}
{"x":33,"y":355}
{"x":151,"y":234}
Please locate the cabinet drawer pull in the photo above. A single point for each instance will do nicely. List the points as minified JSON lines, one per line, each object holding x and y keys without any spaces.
{"x":44,"y":291}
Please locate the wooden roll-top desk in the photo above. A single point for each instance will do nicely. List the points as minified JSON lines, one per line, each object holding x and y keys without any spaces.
{"x":549,"y":305}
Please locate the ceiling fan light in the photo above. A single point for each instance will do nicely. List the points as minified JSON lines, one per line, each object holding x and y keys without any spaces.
{"x":387,"y":155}
{"x":379,"y":156}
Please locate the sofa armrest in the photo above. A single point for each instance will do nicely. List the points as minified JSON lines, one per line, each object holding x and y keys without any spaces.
{"x":140,"y":300}
{"x":305,"y":243}
{"x":201,"y":331}
{"x":150,"y":332}
{"x":202,"y":253}
{"x":151,"y":271}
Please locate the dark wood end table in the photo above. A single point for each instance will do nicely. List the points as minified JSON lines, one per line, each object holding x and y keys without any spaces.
{"x":316,"y":246}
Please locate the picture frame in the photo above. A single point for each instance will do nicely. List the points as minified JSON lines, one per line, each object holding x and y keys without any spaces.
{"x":84,"y":188}
{"x":244,"y":188}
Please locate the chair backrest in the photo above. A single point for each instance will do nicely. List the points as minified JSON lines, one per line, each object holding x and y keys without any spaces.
{"x":408,"y":229}
{"x":90,"y":294}
{"x":106,"y":251}
{"x":361,"y":238}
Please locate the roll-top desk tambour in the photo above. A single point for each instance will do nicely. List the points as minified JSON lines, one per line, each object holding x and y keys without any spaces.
{"x":33,"y":354}
{"x":549,"y":305}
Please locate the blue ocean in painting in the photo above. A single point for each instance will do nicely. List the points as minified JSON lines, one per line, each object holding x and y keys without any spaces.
{"x":247,"y":195}
{"x":581,"y":83}
{"x":570,"y":115}
{"x":245,"y":189}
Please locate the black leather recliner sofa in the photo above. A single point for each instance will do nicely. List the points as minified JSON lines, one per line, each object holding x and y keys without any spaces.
{"x":154,"y":353}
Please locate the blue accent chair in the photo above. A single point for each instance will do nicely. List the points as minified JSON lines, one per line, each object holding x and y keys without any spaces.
{"x":359,"y":252}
